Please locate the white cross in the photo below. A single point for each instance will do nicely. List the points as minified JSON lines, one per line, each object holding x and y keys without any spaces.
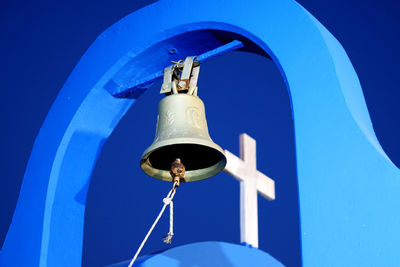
{"x":251,"y":180}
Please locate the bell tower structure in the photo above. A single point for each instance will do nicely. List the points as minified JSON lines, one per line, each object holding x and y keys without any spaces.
{"x":341,"y":165}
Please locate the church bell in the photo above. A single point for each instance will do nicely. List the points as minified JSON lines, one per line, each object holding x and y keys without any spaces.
{"x":182,"y":131}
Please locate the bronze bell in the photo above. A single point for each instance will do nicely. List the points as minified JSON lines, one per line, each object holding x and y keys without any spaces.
{"x":182,"y":133}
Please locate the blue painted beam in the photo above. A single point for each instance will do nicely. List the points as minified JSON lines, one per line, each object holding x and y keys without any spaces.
{"x":234,"y":45}
{"x":141,"y":85}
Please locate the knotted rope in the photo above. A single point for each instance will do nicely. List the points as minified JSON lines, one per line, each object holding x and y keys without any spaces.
{"x":168,"y":201}
{"x":168,"y":239}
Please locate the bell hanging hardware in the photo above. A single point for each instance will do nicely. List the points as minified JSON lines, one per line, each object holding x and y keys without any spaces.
{"x":182,"y":150}
{"x":182,"y":131}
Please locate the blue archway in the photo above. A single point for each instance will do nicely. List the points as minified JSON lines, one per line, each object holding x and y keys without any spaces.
{"x":346,"y":182}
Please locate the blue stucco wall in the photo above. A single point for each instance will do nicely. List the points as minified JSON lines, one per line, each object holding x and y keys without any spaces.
{"x":207,"y":254}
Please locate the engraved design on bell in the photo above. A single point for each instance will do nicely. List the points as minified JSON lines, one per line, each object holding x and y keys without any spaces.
{"x":193,"y":117}
{"x":169,"y":117}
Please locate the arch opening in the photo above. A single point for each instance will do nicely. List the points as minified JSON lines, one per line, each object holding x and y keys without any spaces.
{"x":262,"y":83}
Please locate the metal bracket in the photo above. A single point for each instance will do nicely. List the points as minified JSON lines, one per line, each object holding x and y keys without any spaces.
{"x":134,"y":88}
{"x":181,"y":77}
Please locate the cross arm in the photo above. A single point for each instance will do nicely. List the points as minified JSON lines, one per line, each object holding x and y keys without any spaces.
{"x":235,"y":166}
{"x":238,"y":169}
{"x":265,"y":186}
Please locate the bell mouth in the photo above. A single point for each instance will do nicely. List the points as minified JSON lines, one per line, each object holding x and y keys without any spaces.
{"x":201,"y":161}
{"x":193,"y":156}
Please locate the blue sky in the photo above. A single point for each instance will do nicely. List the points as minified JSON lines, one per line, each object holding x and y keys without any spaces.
{"x":43,"y":41}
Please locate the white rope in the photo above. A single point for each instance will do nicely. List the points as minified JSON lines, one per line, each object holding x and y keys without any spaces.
{"x":168,"y":238}
{"x":167,"y":201}
{"x":171,"y":218}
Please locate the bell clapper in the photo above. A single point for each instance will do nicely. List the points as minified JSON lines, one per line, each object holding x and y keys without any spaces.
{"x":177,"y":172}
